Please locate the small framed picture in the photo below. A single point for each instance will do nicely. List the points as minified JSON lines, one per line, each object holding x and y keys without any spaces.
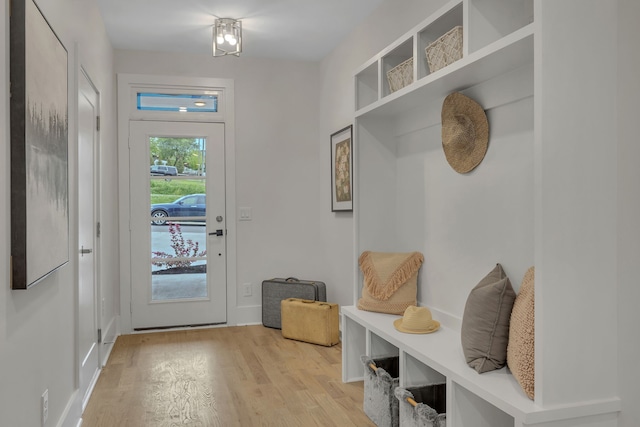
{"x":342,"y":170}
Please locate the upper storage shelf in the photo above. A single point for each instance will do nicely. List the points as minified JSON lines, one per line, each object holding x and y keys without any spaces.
{"x":497,"y":48}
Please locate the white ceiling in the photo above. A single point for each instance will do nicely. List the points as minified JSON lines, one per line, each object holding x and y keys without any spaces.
{"x":286,"y":29}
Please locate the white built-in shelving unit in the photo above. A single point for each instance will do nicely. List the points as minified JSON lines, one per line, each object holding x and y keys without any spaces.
{"x":408,"y":198}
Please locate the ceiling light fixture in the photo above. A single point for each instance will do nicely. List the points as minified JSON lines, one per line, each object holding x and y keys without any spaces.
{"x":199,"y":103}
{"x":227,"y":37}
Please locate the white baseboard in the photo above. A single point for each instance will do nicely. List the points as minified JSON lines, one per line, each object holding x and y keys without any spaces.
{"x":92,"y":385}
{"x":246,"y":315}
{"x":109,"y":335}
{"x":71,"y":416}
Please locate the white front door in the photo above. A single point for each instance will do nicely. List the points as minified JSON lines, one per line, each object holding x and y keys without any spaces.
{"x":177,"y":224}
{"x":88,"y":345}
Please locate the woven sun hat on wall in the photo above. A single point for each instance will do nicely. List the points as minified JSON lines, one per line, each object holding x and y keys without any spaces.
{"x":465,"y":132}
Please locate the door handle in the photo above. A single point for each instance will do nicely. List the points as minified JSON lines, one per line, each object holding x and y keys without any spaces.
{"x":85,"y":251}
{"x":218,"y":232}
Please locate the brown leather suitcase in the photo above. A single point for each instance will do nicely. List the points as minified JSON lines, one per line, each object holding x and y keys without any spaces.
{"x":310,"y":321}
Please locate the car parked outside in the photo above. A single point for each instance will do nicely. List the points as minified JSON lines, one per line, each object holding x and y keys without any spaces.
{"x":185,"y":206}
{"x":164,"y":170}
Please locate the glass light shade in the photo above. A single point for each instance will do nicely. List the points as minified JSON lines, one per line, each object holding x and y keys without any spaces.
{"x":227,"y":37}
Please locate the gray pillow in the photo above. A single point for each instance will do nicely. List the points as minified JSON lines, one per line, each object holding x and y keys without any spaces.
{"x":485,"y":323}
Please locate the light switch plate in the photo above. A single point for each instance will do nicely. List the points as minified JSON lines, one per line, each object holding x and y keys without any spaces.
{"x":245,"y":214}
{"x":247,"y":290}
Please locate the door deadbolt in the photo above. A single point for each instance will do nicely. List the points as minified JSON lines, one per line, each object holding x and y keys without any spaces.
{"x":219,"y":218}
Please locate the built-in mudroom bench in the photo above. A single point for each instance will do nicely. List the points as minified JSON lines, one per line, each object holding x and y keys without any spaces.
{"x":523,"y":206}
{"x":492,"y":399}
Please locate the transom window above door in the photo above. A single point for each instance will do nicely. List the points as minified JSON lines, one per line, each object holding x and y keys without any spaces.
{"x":183,"y":103}
{"x":177,"y":103}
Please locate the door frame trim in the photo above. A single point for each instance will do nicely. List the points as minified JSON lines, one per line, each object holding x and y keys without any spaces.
{"x":127,"y":84}
{"x":82,"y":72}
{"x":210,"y":308}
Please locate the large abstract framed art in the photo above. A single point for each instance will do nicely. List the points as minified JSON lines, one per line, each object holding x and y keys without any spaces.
{"x":39,"y":147}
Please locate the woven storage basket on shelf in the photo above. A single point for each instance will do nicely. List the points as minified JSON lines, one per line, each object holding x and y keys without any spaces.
{"x":401,"y":75}
{"x":381,"y":377}
{"x":422,"y":406}
{"x":445,"y":50}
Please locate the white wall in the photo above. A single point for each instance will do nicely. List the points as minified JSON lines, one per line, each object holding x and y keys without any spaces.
{"x":515,"y":182}
{"x":465,"y":224}
{"x":381,"y":28}
{"x":37,"y":326}
{"x":628,"y":212}
{"x":576,"y":201}
{"x":278,"y":104}
{"x":277,"y":110}
{"x":277,"y":174}
{"x":586,"y":234}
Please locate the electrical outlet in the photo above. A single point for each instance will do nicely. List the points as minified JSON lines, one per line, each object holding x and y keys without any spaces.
{"x":246,"y":290}
{"x":45,"y":406}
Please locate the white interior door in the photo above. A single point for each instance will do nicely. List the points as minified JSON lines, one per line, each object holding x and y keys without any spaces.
{"x":88,"y":345}
{"x":177,"y":224}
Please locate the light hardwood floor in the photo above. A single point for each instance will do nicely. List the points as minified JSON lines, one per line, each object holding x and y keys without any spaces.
{"x":235,"y":376}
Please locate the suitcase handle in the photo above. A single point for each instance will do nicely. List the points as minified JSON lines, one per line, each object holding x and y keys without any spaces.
{"x":291,"y":279}
{"x":311,"y":301}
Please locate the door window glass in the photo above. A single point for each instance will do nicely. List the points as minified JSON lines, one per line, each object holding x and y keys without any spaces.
{"x":178,"y":218}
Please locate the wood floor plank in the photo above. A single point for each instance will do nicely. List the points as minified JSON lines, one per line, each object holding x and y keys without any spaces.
{"x":237,"y":376}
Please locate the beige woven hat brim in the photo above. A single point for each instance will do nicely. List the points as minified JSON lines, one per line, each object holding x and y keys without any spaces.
{"x":465,"y":132}
{"x":433,"y":326}
{"x":416,"y":320}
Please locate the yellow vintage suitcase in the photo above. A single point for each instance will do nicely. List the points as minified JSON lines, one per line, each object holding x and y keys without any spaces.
{"x":310,"y":321}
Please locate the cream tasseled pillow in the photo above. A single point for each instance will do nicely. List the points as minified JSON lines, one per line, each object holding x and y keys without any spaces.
{"x":521,"y":348}
{"x":390,"y":281}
